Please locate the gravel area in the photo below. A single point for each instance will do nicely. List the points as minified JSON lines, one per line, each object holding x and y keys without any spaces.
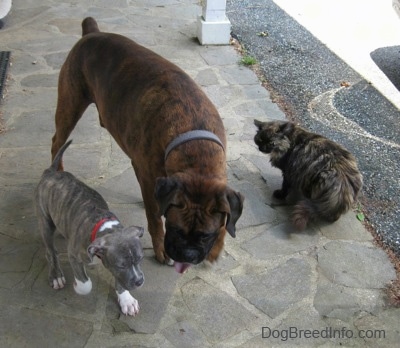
{"x":320,"y":91}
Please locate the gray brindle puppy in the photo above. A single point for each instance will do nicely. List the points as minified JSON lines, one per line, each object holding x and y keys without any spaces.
{"x":82,"y":216}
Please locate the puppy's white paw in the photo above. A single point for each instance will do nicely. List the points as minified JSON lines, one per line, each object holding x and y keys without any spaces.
{"x":58,"y":283}
{"x":83,"y":288}
{"x":129,"y":305}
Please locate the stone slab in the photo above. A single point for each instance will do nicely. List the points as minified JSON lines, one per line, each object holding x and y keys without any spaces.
{"x":37,"y":128}
{"x":218,"y":56}
{"x":282,"y":287}
{"x":346,"y":228}
{"x":41,"y":80}
{"x":355,"y":265}
{"x":17,"y":217}
{"x":239,"y":76}
{"x":338,"y":301}
{"x":15,"y":262}
{"x":218,"y":315}
{"x":122,"y":188}
{"x":185,"y":334}
{"x":271,"y":175}
{"x":255,"y":210}
{"x":382,"y":328}
{"x":222,"y":96}
{"x":280,"y":240}
{"x":24,"y":327}
{"x":206,"y":77}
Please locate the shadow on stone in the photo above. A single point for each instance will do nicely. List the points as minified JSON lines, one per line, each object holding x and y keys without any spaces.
{"x":388,"y":60}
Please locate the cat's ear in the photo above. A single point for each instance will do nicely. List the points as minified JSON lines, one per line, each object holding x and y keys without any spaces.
{"x":258,"y":124}
{"x":287,"y":128}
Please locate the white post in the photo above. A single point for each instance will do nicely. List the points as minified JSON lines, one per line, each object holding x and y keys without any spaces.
{"x":5,"y":7}
{"x":213,"y":27}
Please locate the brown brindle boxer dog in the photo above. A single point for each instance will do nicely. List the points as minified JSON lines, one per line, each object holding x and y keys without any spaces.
{"x":169,"y":129}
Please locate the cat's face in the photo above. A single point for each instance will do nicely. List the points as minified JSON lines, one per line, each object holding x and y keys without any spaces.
{"x":272,"y":136}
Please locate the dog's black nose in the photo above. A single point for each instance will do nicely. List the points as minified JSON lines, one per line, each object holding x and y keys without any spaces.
{"x":192,"y":256}
{"x":184,"y":254}
{"x":139,"y":282}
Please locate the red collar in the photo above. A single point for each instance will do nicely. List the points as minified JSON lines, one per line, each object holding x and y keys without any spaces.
{"x":97,"y":227}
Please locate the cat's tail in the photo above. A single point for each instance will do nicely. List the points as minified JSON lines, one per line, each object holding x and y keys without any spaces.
{"x":307,"y":210}
{"x":303,"y":212}
{"x":329,"y":206}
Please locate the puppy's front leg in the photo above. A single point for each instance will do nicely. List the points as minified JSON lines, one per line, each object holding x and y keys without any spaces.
{"x":129,"y":305}
{"x":82,"y":283}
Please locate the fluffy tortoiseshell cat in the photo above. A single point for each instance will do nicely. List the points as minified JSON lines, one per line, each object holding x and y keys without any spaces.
{"x":324,"y":172}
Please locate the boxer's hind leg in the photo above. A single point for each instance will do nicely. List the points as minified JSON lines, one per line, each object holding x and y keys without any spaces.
{"x":71,"y":104}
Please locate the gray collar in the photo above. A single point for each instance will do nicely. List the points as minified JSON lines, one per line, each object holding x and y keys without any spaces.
{"x":192,"y":135}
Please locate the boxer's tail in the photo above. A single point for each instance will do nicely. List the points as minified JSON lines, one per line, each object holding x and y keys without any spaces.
{"x":57,"y":160}
{"x":89,"y":25}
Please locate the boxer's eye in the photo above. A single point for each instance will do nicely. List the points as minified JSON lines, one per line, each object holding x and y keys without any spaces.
{"x":178,"y":206}
{"x":215,"y":211}
{"x":176,"y":230}
{"x":204,"y":237}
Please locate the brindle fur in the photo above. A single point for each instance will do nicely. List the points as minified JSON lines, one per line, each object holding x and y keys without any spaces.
{"x":145,"y":102}
{"x":70,"y":207}
{"x":324,"y":172}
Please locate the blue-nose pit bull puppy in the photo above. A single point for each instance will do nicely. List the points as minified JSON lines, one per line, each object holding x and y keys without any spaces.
{"x":81,"y":215}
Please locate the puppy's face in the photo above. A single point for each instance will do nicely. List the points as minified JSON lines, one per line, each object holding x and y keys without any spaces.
{"x":196,"y":213}
{"x":121,"y":253}
{"x":273,"y":136}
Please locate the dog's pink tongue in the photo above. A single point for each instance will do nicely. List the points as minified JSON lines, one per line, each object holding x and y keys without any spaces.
{"x":181,"y":267}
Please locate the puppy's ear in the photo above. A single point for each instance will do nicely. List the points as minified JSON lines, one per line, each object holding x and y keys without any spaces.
{"x":166,"y":193}
{"x":235,"y":201}
{"x":258,"y":124}
{"x":97,"y":248}
{"x":136,"y":231}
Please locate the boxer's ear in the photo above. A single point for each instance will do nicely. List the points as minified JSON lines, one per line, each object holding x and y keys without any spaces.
{"x":166,"y":193}
{"x":235,"y":200}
